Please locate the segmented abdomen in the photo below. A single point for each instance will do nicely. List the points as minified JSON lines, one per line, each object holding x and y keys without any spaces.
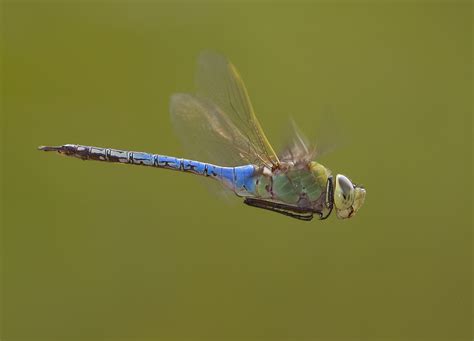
{"x":239,"y":179}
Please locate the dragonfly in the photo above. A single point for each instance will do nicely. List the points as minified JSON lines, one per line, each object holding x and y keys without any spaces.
{"x":218,"y":123}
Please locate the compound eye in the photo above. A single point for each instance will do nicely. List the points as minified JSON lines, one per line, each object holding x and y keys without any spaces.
{"x":345,"y":184}
{"x":344,"y":192}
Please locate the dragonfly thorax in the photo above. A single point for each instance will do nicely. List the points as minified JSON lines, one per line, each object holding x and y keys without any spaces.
{"x":302,"y":185}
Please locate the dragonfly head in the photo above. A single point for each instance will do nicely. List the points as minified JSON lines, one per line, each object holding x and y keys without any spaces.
{"x":348,"y":198}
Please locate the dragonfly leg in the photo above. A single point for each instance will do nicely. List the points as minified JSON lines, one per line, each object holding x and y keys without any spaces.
{"x":290,"y":211}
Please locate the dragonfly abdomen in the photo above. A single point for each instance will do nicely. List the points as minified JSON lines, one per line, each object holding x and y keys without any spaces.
{"x":239,"y":179}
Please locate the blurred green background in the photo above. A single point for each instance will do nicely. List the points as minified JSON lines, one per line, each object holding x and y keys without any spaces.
{"x":95,"y":251}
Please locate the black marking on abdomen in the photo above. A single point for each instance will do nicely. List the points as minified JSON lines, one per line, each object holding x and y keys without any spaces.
{"x":82,"y":152}
{"x":96,"y":153}
{"x":116,"y":155}
{"x":137,"y":158}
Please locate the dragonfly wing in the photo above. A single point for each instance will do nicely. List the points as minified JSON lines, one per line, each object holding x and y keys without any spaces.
{"x":208,"y":133}
{"x":218,"y":82}
{"x":298,"y":148}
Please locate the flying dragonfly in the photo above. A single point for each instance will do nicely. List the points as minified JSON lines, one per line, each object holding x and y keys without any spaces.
{"x":219,"y":122}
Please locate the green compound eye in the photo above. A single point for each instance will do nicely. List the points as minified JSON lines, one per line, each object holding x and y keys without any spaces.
{"x":348,"y":198}
{"x":343,"y":193}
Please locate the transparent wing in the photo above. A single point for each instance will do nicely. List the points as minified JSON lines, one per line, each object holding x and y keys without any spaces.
{"x":218,"y":123}
{"x":331,"y":132}
{"x":298,"y":149}
{"x":328,"y":133}
{"x":208,"y":133}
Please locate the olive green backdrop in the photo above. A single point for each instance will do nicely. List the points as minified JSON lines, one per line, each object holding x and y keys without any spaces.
{"x":95,"y":251}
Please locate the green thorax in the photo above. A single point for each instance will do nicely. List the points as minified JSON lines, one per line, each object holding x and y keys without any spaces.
{"x":300,"y":184}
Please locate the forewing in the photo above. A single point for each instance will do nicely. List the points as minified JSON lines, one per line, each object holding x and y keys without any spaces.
{"x":330,"y":132}
{"x":298,"y":149}
{"x":327,"y":133}
{"x":218,"y":82}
